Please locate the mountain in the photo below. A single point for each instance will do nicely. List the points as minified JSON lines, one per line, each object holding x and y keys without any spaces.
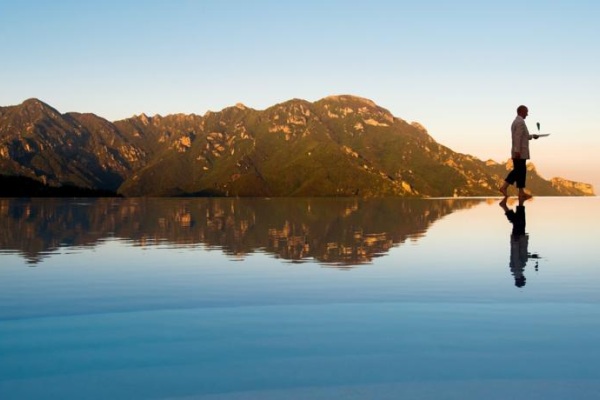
{"x":83,"y":150}
{"x":337,"y":146}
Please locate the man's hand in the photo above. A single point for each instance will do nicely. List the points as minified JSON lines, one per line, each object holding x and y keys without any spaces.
{"x":535,"y":136}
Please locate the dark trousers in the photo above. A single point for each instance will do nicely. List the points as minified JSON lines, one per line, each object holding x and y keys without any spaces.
{"x":517,"y":219}
{"x":518,"y":173}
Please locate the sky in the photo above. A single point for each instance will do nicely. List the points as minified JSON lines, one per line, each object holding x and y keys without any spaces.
{"x":459,"y":68}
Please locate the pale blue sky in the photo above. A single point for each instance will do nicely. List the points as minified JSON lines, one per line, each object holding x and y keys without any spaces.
{"x":459,"y":68}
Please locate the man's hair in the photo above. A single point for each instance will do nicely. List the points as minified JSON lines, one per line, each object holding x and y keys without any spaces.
{"x":520,"y":109}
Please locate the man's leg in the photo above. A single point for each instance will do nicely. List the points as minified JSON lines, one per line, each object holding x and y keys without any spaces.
{"x":510,"y":179}
{"x":521,"y":177}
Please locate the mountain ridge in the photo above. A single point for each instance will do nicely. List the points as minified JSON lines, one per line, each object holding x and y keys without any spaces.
{"x":340,"y":145}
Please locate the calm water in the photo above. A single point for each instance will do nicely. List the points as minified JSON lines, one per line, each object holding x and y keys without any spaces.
{"x":299,"y":299}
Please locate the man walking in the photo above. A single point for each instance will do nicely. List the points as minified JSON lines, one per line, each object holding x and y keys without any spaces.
{"x":519,"y":154}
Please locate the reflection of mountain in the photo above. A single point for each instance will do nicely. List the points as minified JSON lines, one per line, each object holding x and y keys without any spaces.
{"x":331,"y":231}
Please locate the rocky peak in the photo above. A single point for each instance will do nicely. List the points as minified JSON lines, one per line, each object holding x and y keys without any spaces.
{"x":35,"y":103}
{"x":346,"y":98}
{"x":343,"y":105}
{"x":419,"y":127}
{"x":144,"y":119}
{"x":35,"y":109}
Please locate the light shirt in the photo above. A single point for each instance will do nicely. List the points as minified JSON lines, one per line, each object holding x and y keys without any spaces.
{"x":520,"y":138}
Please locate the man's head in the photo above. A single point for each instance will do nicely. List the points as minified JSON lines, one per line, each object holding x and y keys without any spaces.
{"x":522,"y":111}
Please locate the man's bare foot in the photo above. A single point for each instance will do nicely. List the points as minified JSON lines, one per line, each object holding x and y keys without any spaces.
{"x":525,"y":196}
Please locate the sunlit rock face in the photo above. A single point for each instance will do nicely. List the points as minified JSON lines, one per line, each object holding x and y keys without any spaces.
{"x":572,"y":188}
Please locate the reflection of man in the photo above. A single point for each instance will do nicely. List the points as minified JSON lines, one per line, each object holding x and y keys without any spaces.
{"x":518,"y":241}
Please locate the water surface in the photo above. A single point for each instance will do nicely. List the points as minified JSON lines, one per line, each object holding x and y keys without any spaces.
{"x":299,"y":298}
